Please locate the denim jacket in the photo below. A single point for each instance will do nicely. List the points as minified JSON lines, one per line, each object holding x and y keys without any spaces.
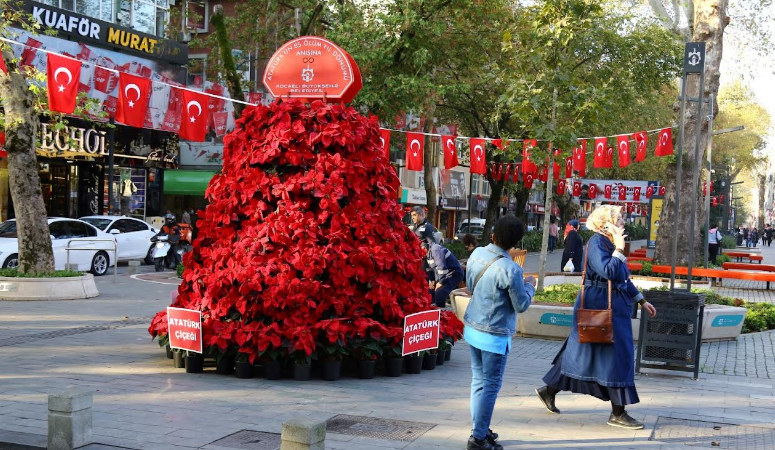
{"x":500,"y":294}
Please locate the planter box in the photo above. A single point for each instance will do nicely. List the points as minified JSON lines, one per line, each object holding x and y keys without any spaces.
{"x":554,"y":321}
{"x":644,"y":283}
{"x":65,"y":288}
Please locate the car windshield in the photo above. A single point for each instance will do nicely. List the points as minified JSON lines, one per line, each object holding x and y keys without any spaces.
{"x":102,"y":224}
{"x":8,"y":229}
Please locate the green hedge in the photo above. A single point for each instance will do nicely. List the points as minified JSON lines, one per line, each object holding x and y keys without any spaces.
{"x":55,"y":274}
{"x":728,"y":242}
{"x":458,"y":249}
{"x":636,"y":232}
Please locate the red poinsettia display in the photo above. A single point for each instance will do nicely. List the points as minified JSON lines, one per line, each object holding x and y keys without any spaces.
{"x":302,"y":243}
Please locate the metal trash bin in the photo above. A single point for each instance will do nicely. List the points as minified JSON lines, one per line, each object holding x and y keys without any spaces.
{"x":672,"y":340}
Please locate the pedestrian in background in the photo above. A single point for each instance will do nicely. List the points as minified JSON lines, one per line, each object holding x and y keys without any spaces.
{"x":602,"y":370}
{"x":768,"y":234}
{"x":554,"y":231}
{"x":470,"y":242}
{"x":498,"y":293}
{"x":186,"y":217}
{"x":747,"y":237}
{"x":445,"y":269}
{"x":574,"y":247}
{"x":714,"y":240}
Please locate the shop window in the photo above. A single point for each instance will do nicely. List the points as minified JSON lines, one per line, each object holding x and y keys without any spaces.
{"x":197,"y":71}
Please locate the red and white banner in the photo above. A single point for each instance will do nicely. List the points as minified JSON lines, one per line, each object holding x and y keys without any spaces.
{"x":528,"y":179}
{"x":527,"y":162}
{"x":450,"y":152}
{"x":665,"y":143}
{"x":580,"y":158}
{"x":592,"y":191}
{"x":577,"y":188}
{"x":384,"y":136}
{"x":608,"y":190}
{"x":569,"y":167}
{"x":600,"y":160}
{"x":184,"y":328}
{"x":421,"y":331}
{"x":623,"y":143}
{"x":636,"y":193}
{"x":662,"y":191}
{"x":415,"y":143}
{"x":478,"y":163}
{"x":133,"y":95}
{"x":63,"y":75}
{"x":194,"y":115}
{"x":561,"y":187}
{"x":641,"y":139}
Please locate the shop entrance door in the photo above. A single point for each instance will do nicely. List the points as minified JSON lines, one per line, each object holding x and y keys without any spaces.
{"x":57,"y":205}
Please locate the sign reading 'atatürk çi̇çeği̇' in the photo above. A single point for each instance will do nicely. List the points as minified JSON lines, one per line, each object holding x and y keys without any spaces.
{"x":312,"y":67}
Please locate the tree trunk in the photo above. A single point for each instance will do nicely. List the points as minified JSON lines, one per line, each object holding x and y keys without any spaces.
{"x":710,"y":21}
{"x":547,"y":218}
{"x":496,"y":191}
{"x":232,"y":77}
{"x":21,"y":126}
{"x":430,"y":163}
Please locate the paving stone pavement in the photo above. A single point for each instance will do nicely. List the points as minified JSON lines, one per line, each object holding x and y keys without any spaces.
{"x":142,"y":402}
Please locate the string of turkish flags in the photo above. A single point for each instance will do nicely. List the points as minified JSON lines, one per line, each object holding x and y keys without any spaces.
{"x":530,"y":171}
{"x":63,"y":74}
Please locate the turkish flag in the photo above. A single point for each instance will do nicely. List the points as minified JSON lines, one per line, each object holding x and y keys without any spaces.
{"x":622,"y":192}
{"x":478,"y":161}
{"x":636,"y":193}
{"x":384,"y":137}
{"x":721,"y":198}
{"x":580,"y":158}
{"x":642,"y":139}
{"x":528,"y":180}
{"x":194,"y":115}
{"x":63,"y":76}
{"x":577,"y":188}
{"x":569,"y":167}
{"x":600,"y":161}
{"x":515,"y":173}
{"x":623,"y":143}
{"x":133,"y":95}
{"x":543,"y":174}
{"x":609,"y":156}
{"x":500,"y":144}
{"x":561,"y":187}
{"x":415,"y":142}
{"x":630,"y":208}
{"x":556,"y":165}
{"x":450,"y":151}
{"x":527,"y":162}
{"x":662,"y":191}
{"x":649,"y":191}
{"x":592,"y":191}
{"x":714,"y":201}
{"x":608,"y":189}
{"x":507,"y":175}
{"x":665,"y":143}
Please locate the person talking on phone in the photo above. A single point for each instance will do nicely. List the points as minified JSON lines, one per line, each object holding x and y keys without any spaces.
{"x":586,"y":363}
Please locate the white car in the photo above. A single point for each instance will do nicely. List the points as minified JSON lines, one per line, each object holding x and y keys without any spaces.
{"x":62,"y":231}
{"x":133,"y":236}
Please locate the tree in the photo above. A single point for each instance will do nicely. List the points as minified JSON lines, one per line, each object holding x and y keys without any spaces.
{"x":706,"y":20}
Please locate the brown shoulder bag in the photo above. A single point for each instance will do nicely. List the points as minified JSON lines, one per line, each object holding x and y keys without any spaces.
{"x":595,"y":325}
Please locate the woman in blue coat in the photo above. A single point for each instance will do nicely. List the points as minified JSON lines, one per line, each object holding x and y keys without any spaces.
{"x":605,"y":371}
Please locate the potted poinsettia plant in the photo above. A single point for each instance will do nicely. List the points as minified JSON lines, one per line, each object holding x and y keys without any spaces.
{"x":302,"y":346}
{"x":450,"y":330}
{"x":332,"y":346}
{"x":244,"y":368}
{"x":270,"y":351}
{"x":368,"y":350}
{"x":394,"y":361}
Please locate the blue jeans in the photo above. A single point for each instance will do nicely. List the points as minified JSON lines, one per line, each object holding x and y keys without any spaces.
{"x":552,"y":242}
{"x":487,"y":375}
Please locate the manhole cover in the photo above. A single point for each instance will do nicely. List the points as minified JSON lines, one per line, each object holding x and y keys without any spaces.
{"x":249,"y":439}
{"x":713,"y":434}
{"x":373,"y":427}
{"x":16,"y":340}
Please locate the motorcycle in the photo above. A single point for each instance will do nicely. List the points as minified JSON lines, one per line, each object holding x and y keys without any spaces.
{"x":162,"y":257}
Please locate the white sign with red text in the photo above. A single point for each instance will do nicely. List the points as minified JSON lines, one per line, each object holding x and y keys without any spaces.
{"x":421,"y":331}
{"x":184,"y":328}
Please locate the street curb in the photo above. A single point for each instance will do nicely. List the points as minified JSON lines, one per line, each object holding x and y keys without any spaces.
{"x":14,"y":440}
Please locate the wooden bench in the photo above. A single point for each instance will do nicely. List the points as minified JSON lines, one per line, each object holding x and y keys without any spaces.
{"x":741,"y":255}
{"x":711,"y":273}
{"x":640,"y":258}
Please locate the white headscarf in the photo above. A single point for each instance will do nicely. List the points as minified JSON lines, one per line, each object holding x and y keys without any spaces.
{"x":603,"y":215}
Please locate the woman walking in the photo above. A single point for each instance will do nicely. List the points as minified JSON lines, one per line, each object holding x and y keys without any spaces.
{"x":605,"y":371}
{"x":574,"y":247}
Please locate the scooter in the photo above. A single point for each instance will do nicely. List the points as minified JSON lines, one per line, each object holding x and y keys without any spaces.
{"x":161,"y":253}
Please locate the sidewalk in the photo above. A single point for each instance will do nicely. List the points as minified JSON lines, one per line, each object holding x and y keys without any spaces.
{"x":142,"y":402}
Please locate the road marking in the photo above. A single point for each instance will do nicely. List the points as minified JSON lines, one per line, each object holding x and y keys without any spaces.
{"x":136,"y":277}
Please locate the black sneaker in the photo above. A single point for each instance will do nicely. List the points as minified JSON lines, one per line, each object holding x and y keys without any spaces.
{"x":482,"y":444}
{"x":547,"y":400}
{"x":492,"y":436}
{"x":624,"y":421}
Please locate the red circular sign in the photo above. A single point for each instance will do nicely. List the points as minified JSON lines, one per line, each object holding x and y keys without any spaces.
{"x":312,"y":67}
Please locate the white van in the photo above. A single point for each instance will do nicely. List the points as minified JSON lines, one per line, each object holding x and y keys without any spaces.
{"x":474,"y":222}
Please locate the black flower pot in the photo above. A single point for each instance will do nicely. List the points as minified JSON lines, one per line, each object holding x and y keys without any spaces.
{"x":178,"y":360}
{"x":447,"y":354}
{"x":169,"y":352}
{"x":393,"y":367}
{"x":195,"y":363}
{"x":366,"y":369}
{"x":302,"y":372}
{"x":225,"y":366}
{"x":429,"y":361}
{"x":440,"y":357}
{"x":244,"y":370}
{"x":413,"y":364}
{"x":273,"y":370}
{"x":332,"y":370}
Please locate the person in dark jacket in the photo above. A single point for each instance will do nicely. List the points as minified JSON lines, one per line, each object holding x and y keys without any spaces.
{"x":574,"y":247}
{"x":420,"y":225}
{"x":605,"y":371}
{"x":445,"y":269}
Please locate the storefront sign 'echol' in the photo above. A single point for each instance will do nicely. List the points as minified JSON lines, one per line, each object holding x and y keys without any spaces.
{"x":310,"y":67}
{"x":70,"y":24}
{"x":72,"y":141}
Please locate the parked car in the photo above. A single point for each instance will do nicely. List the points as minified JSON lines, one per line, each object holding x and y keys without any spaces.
{"x":133,"y":235}
{"x":77,"y":232}
{"x":476,"y":230}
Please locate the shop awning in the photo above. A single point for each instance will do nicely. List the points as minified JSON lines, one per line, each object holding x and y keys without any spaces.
{"x":186,"y":182}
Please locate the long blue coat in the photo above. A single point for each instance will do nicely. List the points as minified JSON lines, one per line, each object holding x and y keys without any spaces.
{"x":611,"y":365}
